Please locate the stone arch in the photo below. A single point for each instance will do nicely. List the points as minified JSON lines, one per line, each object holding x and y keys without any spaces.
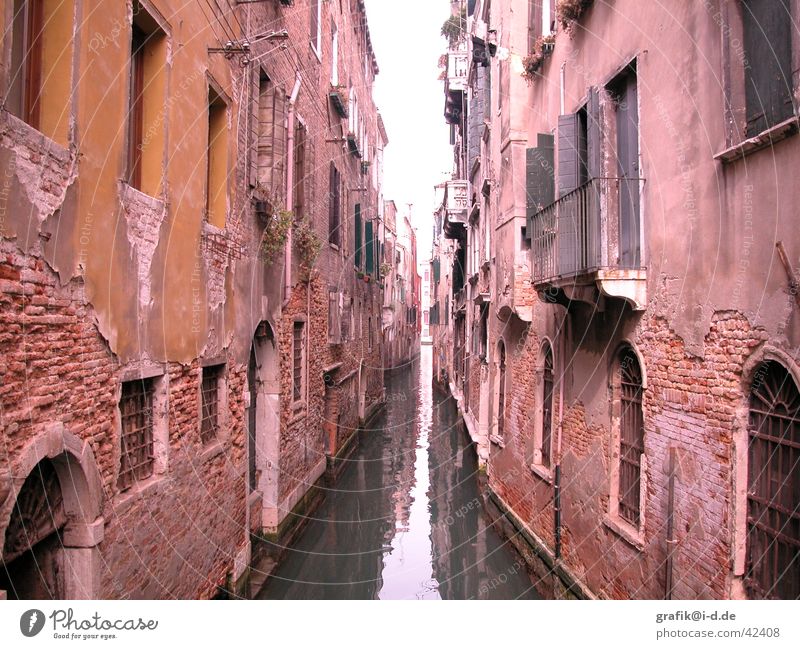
{"x":81,"y":488}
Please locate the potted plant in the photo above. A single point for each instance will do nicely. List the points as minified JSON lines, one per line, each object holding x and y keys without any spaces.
{"x":542,"y":48}
{"x":367,"y":278}
{"x":569,"y":11}
{"x":360,"y":274}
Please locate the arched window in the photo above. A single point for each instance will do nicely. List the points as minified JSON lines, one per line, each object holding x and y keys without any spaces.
{"x":773,"y":493}
{"x":501,"y":390}
{"x":631,"y":436}
{"x":542,"y":443}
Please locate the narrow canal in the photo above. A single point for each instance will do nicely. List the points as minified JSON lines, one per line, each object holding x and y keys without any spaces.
{"x":405,"y":520}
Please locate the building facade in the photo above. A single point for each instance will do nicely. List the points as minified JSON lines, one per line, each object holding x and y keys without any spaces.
{"x":632,"y":384}
{"x":190,"y":206}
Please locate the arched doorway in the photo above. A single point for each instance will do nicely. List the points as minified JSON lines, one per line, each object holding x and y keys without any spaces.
{"x":32,"y":559}
{"x":264,"y":422}
{"x":50,"y":522}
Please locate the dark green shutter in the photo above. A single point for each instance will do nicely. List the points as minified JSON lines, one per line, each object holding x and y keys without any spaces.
{"x":369,"y":248}
{"x":358,"y":236}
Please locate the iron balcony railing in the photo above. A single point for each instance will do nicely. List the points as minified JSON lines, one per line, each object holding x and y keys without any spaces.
{"x":567,"y":235}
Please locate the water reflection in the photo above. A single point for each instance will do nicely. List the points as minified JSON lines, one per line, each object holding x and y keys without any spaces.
{"x":404,"y":521}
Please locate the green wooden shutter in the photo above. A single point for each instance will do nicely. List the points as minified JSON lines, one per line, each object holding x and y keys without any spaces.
{"x":358,"y":236}
{"x":369,"y":248}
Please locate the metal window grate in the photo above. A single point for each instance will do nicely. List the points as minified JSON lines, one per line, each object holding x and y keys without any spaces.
{"x":547,"y":405}
{"x":136,"y":410}
{"x":631,"y":437}
{"x":773,"y":496}
{"x":209,"y":389}
{"x":297,"y":361}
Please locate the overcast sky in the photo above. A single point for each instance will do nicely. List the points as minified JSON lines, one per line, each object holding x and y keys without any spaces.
{"x":408,"y":43}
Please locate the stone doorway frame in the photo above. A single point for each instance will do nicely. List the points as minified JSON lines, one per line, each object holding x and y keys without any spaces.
{"x":82,"y":491}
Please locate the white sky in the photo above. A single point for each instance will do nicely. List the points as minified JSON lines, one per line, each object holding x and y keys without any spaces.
{"x":407,"y":40}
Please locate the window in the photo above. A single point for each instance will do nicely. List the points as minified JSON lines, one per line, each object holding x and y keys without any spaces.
{"x":369,"y":332}
{"x":298,"y":357}
{"x":334,"y":55}
{"x":631,"y":437}
{"x":501,"y":391}
{"x":210,"y":387}
{"x":347,"y":318}
{"x":26,"y":61}
{"x":136,"y":442}
{"x":546,"y":441}
{"x":334,"y":317}
{"x":772,"y":568}
{"x":315,"y":24}
{"x":300,"y":137}
{"x":271,"y":144}
{"x":148,"y":62}
{"x":217,"y":160}
{"x":335,"y":206}
{"x":41,"y":63}
{"x":767,"y":39}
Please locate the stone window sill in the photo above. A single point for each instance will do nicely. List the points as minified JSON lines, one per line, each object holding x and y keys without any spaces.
{"x":146,"y":488}
{"x":298,"y":412}
{"x":213,"y":450}
{"x":497,"y":440}
{"x":132,"y":196}
{"x":625,"y":531}
{"x":542,"y":472}
{"x":763,"y":140}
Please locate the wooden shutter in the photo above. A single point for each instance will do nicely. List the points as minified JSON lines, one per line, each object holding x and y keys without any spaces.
{"x":628,"y":162}
{"x":369,"y":241}
{"x":271,"y":137}
{"x":358,"y":231}
{"x":594,"y":130}
{"x":539,"y":182}
{"x":767,"y":30}
{"x":568,"y":153}
{"x":334,"y":316}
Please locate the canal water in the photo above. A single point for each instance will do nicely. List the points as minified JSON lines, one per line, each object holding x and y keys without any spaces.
{"x":405,"y":519}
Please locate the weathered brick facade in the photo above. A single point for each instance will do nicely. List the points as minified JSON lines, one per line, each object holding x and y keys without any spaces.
{"x":666,"y":350}
{"x":107,"y":279}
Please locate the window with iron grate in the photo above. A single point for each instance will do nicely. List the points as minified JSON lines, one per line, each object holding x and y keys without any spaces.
{"x":211,"y":383}
{"x":136,"y":443}
{"x":631,"y":437}
{"x":297,"y":360}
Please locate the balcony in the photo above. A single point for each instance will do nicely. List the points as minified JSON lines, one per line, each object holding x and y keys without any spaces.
{"x":587,"y":244}
{"x":456,"y":206}
{"x":455,"y":84}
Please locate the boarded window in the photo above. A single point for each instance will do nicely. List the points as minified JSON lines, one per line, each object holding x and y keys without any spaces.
{"x":346,"y":318}
{"x":136,"y":442}
{"x":297,"y":360}
{"x":767,"y":29}
{"x":631,"y":438}
{"x":209,"y":395}
{"x":773,"y":493}
{"x":335,"y":206}
{"x":271,"y":147}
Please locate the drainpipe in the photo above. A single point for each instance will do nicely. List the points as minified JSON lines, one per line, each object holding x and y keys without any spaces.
{"x":671,"y":541}
{"x":287,"y":271}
